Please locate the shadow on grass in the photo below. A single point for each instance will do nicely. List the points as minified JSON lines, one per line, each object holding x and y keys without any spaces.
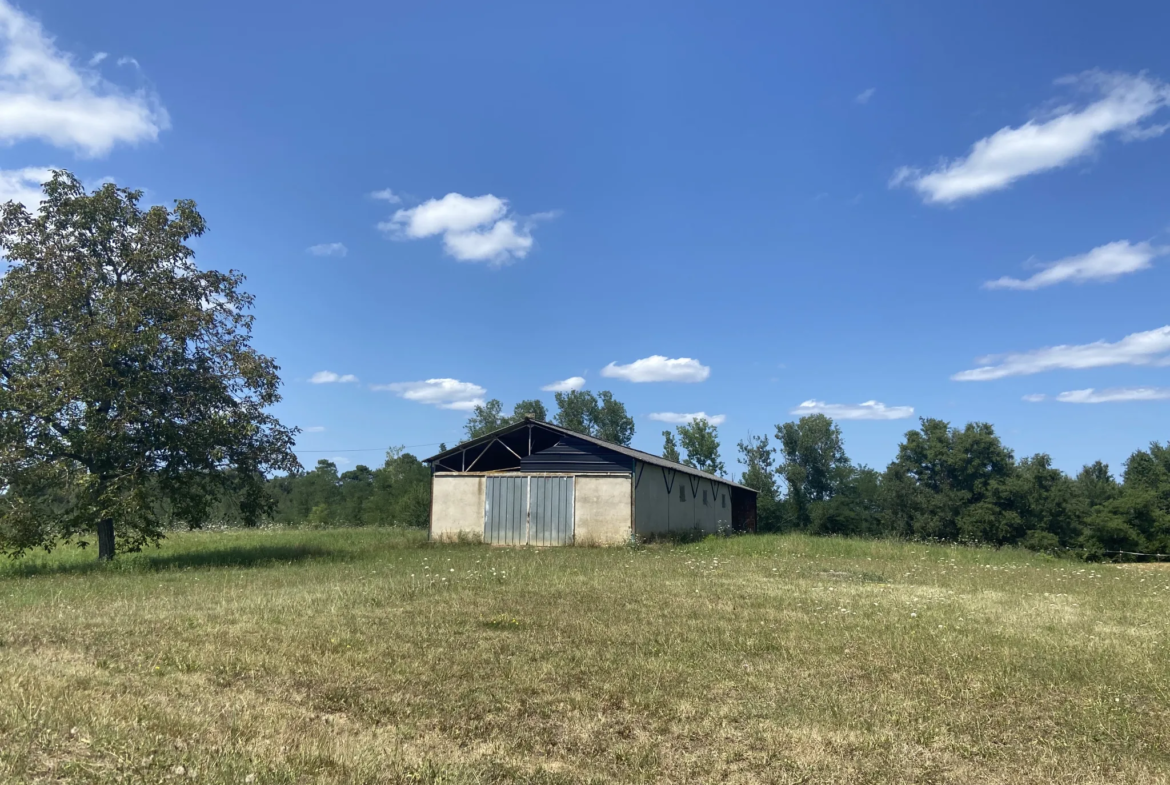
{"x":212,"y":558}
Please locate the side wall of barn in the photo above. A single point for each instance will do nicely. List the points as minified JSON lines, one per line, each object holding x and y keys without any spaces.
{"x":666,"y":500}
{"x":457,"y":506}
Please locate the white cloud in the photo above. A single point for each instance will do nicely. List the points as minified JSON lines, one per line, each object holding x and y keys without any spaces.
{"x":1123,"y":102}
{"x":1115,"y":395}
{"x":474,"y":228}
{"x":44,"y":95}
{"x":328,"y":249}
{"x":97,"y":58}
{"x":386,"y":195}
{"x":499,"y":244}
{"x":1035,"y":397}
{"x":870,"y":410}
{"x":657,"y":368}
{"x":864,"y":96}
{"x":340,"y":461}
{"x":315,"y":429}
{"x":128,"y":61}
{"x":1146,"y":348}
{"x":676,"y":418}
{"x":1103,"y":263}
{"x":329,"y":377}
{"x":23,"y":185}
{"x":444,"y":393}
{"x":566,"y":385}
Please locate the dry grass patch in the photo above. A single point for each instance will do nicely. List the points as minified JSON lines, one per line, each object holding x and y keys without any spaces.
{"x":371,"y":656}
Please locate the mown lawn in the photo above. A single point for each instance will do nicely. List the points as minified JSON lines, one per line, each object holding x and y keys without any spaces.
{"x":357,"y":656}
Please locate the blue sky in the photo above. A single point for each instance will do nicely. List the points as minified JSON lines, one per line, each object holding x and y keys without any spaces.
{"x":942,"y":210}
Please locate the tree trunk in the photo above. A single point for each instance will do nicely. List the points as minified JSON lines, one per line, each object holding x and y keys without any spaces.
{"x":105,"y":532}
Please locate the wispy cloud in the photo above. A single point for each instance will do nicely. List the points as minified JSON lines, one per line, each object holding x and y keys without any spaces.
{"x":657,"y":368}
{"x":329,"y":377}
{"x":566,"y":385}
{"x":23,"y":185}
{"x":870,"y":410}
{"x":1115,"y":395}
{"x":1104,"y":263}
{"x":128,"y":61}
{"x":677,"y":418}
{"x":1146,"y":348}
{"x":45,"y":96}
{"x":474,"y":228}
{"x":864,"y":96}
{"x":444,"y":393}
{"x":1035,"y":397}
{"x":328,"y":249}
{"x":97,"y":58}
{"x":315,"y":429}
{"x":1123,"y":102}
{"x":386,"y":195}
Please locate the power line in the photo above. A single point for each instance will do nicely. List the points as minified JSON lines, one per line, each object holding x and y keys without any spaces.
{"x":373,"y":449}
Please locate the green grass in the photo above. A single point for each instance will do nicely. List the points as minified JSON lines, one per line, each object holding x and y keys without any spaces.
{"x":358,"y":656}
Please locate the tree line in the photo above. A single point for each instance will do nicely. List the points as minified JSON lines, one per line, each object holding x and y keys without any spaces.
{"x":958,"y":485}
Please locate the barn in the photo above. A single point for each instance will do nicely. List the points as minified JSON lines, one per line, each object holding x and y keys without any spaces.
{"x":535,"y":483}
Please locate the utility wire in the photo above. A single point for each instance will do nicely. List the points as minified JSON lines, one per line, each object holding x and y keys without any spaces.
{"x":373,"y":449}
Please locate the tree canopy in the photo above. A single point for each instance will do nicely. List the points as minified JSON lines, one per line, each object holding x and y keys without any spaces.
{"x":489,"y":416}
{"x":601,"y":416}
{"x":129,"y":388}
{"x":699,"y":439}
{"x":959,"y":485}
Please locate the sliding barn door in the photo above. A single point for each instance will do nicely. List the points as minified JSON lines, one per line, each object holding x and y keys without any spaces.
{"x":505,"y":518}
{"x":550,"y":511}
{"x":528,"y":511}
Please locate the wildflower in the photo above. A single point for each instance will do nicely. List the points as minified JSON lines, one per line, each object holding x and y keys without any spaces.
{"x":913,"y":615}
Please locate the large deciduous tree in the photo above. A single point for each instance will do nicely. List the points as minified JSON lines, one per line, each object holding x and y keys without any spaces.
{"x":670,"y":447}
{"x":576,"y":410}
{"x":489,"y":416}
{"x":610,"y":420}
{"x":129,"y":387}
{"x":485,"y":418}
{"x":700,"y":440}
{"x":814,"y":463}
{"x":760,"y":457}
{"x":601,"y":415}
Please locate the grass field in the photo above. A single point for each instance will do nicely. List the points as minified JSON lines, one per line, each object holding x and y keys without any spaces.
{"x":357,"y":656}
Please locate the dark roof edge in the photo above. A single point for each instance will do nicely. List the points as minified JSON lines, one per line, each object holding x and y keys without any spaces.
{"x":630,"y":452}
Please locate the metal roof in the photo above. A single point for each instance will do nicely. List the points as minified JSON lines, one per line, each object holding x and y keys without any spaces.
{"x":630,"y":452}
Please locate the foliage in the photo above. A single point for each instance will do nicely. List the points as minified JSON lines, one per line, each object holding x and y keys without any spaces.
{"x":485,"y":418}
{"x":610,"y":420}
{"x":575,"y":410}
{"x":760,"y":458}
{"x":813,"y":467}
{"x":700,"y":440}
{"x":601,"y":416}
{"x":960,"y":485}
{"x":396,"y":494}
{"x":488,"y":417}
{"x":670,"y":447}
{"x":532,"y":408}
{"x":130,"y":390}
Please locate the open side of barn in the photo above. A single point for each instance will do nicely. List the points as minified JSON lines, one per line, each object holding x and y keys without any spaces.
{"x":535,"y":483}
